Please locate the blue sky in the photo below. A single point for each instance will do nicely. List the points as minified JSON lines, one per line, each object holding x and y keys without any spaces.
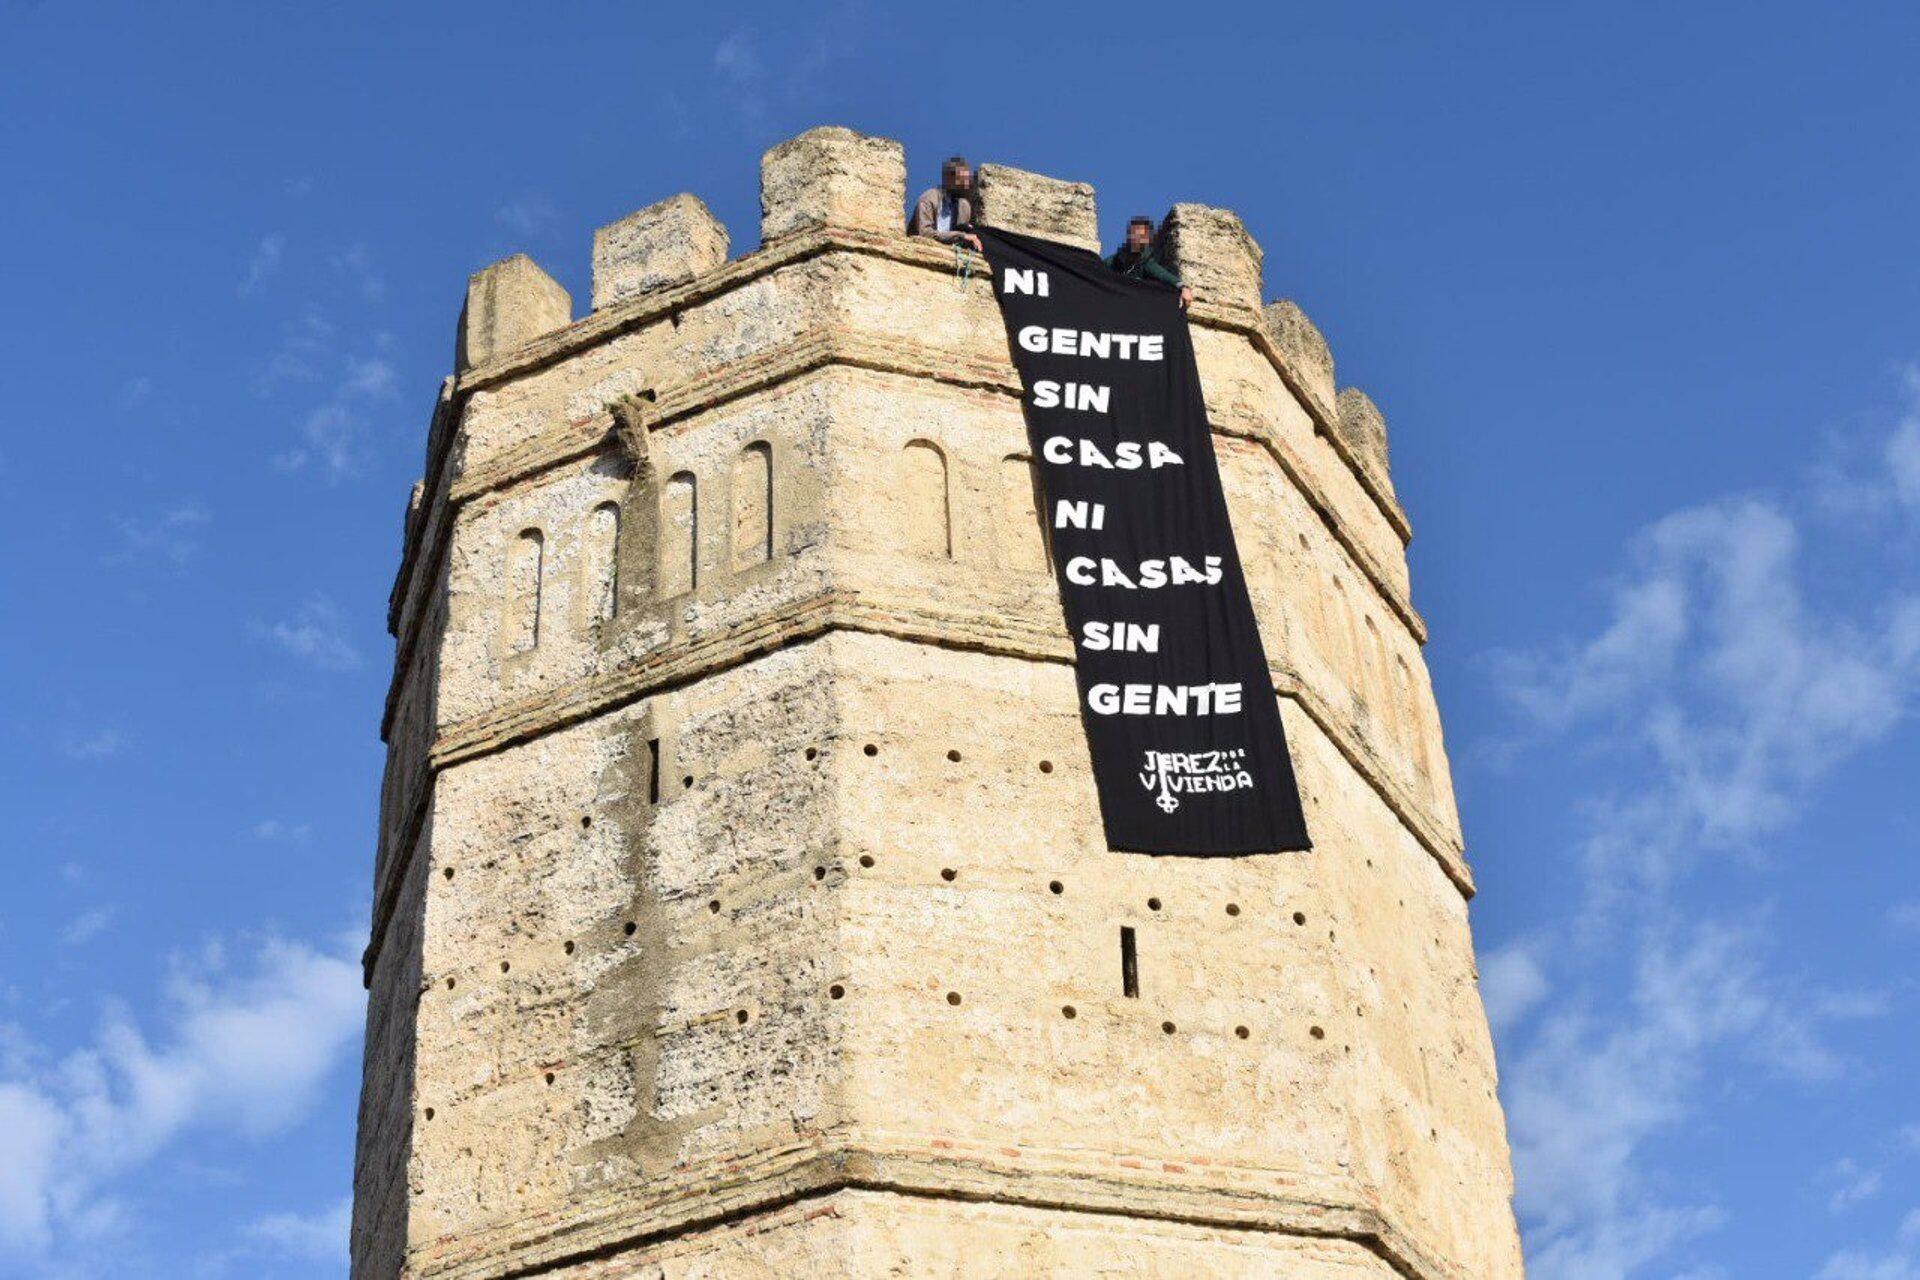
{"x":1637,"y":288}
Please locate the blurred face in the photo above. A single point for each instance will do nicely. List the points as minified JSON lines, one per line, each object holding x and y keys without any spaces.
{"x":962,"y":178}
{"x":1138,"y":234}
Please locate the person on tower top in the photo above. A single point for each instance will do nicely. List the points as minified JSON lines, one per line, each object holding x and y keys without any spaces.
{"x":947,"y":212}
{"x":1139,"y":259}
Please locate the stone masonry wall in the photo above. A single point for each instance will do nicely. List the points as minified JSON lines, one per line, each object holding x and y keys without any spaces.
{"x":741,"y":902}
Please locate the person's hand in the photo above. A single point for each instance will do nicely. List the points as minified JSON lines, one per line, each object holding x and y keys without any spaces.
{"x":1186,"y":297}
{"x":972,"y":241}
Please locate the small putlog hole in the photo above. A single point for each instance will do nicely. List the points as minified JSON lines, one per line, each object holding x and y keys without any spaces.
{"x":1068,"y":1011}
{"x":948,"y":874}
{"x":953,"y":997}
{"x":871,"y":750}
{"x":836,"y":991}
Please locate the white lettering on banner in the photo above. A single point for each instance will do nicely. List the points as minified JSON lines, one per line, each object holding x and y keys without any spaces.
{"x":1151,"y":575}
{"x":1121,"y":637}
{"x":1177,"y":773}
{"x":1041,"y":340}
{"x":1068,"y":514}
{"x":1048,"y":394}
{"x":1031,"y":281}
{"x":1128,"y":455}
{"x":1165,"y":699}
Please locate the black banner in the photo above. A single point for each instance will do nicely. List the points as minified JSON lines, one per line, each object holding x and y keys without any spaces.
{"x":1181,"y":719}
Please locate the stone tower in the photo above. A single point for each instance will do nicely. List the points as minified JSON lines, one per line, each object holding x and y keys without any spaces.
{"x":742,"y":907}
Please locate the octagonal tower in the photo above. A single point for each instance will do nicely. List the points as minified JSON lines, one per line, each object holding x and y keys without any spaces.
{"x":742,"y":906}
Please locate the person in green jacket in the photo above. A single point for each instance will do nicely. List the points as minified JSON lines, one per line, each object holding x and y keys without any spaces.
{"x":1138,"y":259}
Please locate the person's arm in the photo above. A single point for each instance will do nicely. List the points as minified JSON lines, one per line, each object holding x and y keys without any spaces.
{"x":1151,"y":268}
{"x":1166,"y":277}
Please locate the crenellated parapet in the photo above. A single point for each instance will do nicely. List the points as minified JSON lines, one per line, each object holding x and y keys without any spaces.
{"x":509,"y":305}
{"x":842,"y":189}
{"x":664,"y":244}
{"x":832,"y":177}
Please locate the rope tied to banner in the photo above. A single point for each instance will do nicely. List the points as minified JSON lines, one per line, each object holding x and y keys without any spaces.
{"x":962,"y":267}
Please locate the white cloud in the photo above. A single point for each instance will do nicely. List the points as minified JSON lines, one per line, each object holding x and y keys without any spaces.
{"x":797,"y":77}
{"x":316,"y":635}
{"x":1851,"y":1183}
{"x":34,"y":1126}
{"x":332,"y":435}
{"x":1511,"y":985}
{"x":275,"y":831}
{"x":527,"y":216}
{"x":356,"y":266}
{"x":136,"y":391}
{"x":86,"y":926}
{"x":264,"y":265}
{"x":1898,"y":1261}
{"x":1884,"y":480}
{"x":238,"y":1051}
{"x":1715,"y":699}
{"x":1596,"y":1082}
{"x":1902,"y":451}
{"x":305,"y":345}
{"x":168,"y":541}
{"x":316,"y":1237}
{"x":738,"y":65}
{"x":370,"y":377}
{"x":101,"y":744}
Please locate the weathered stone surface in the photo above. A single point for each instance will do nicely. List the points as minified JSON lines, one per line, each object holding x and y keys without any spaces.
{"x":740,"y":856}
{"x":661,"y":245}
{"x":1364,"y":427}
{"x":832,"y":176}
{"x":508,"y":305}
{"x":1036,"y":205}
{"x":1305,"y":349}
{"x":863,"y":1234}
{"x":1213,"y":254}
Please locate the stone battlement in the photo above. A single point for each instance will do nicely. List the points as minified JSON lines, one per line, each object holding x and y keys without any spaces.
{"x":832,"y":179}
